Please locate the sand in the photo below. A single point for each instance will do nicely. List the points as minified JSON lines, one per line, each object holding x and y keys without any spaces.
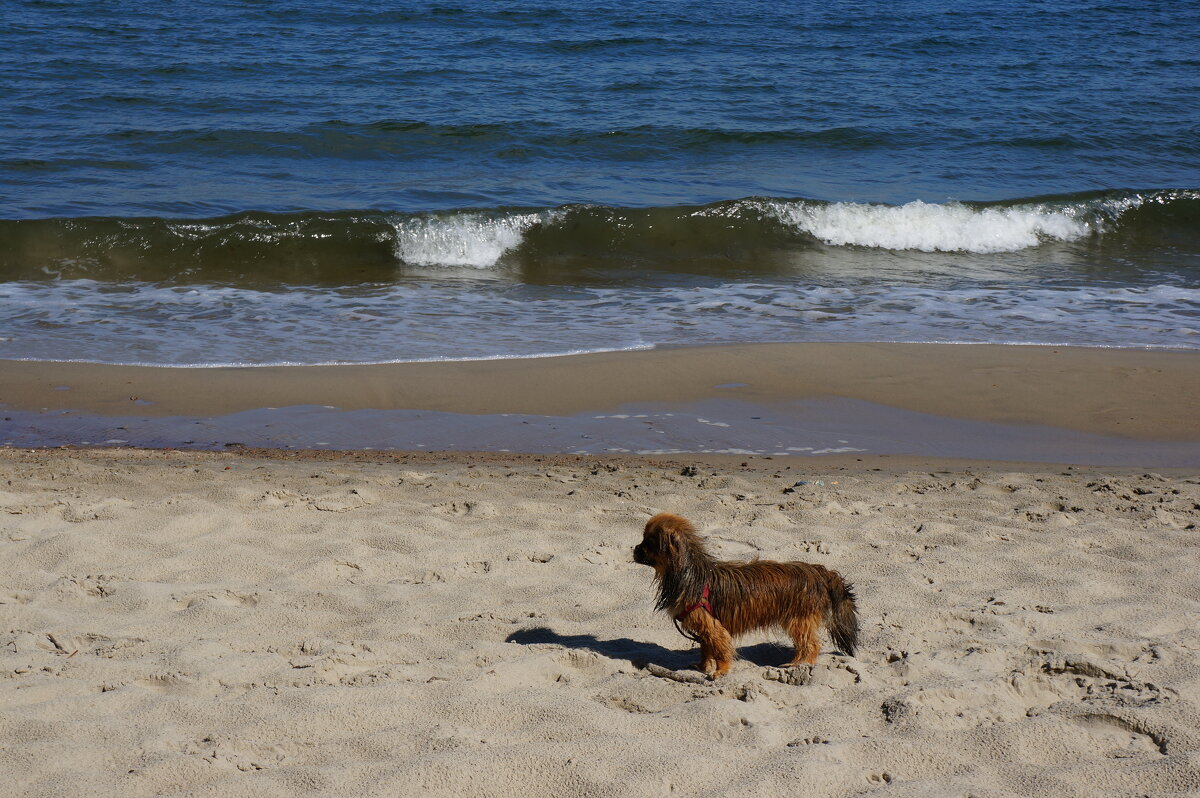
{"x":183,"y":623}
{"x":1128,"y":392}
{"x":1014,"y":403}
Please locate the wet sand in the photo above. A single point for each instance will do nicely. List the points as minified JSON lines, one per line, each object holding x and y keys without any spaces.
{"x":1146,"y":393}
{"x":1102,"y":406}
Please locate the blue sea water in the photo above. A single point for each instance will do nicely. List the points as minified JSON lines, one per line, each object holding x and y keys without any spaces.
{"x":263,"y":182}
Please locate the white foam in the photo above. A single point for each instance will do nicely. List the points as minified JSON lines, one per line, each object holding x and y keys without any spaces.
{"x":239,"y":364}
{"x":431,"y":321}
{"x":926,"y":227}
{"x":470,"y":240}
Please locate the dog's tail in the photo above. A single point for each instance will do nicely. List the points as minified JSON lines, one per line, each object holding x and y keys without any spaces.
{"x":842,"y":620}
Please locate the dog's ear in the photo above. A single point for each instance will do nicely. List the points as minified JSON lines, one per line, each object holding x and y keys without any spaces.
{"x":667,"y":535}
{"x":667,"y":544}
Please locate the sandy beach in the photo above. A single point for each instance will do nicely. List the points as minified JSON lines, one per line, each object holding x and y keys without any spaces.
{"x":274,"y":622}
{"x":347,"y":349}
{"x":283,"y":624}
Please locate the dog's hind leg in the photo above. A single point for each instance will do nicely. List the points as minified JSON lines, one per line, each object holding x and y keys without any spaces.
{"x":803,"y":631}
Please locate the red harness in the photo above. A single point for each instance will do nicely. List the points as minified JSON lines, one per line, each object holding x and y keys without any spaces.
{"x":703,"y":602}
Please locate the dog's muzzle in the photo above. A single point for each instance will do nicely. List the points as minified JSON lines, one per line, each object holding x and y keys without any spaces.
{"x":639,"y":555}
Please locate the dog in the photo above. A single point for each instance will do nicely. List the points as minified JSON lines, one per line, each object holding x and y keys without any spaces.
{"x":714,"y":601}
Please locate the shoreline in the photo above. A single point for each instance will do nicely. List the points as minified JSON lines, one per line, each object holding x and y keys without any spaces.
{"x":616,"y":350}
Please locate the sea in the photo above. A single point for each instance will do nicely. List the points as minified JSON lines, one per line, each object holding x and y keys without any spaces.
{"x":257,"y":182}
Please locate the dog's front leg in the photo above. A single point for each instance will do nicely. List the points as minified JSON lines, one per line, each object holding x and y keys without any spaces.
{"x":708,"y":663}
{"x":716,"y":644}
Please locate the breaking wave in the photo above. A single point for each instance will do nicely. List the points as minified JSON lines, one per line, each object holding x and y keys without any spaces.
{"x":736,"y":236}
{"x":925,"y":227}
{"x":473,"y":240}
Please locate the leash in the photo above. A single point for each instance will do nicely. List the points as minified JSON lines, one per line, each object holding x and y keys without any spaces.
{"x":703,"y":602}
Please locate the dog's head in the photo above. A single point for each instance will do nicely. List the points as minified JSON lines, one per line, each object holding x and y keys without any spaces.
{"x":666,"y":538}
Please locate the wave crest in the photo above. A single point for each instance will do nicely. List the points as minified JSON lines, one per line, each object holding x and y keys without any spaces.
{"x":470,"y":240}
{"x":925,"y":227}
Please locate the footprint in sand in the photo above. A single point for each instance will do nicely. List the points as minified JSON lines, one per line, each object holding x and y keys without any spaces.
{"x":1055,"y":683}
{"x":814,"y":547}
{"x":27,"y":503}
{"x":344,"y":502}
{"x":471,"y":508}
{"x":106,"y":510}
{"x":423,"y":578}
{"x":165,"y":683}
{"x":276,"y":499}
{"x":92,"y":587}
{"x":233,"y":753}
{"x":1078,"y":678}
{"x":540,"y":557}
{"x":731,"y":549}
{"x":1120,"y":738}
{"x":586,"y":661}
{"x":215,"y":598}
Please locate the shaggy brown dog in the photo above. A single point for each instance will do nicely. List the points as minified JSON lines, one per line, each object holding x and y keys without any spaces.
{"x":714,"y":601}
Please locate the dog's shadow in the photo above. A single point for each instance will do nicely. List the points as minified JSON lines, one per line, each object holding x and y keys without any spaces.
{"x":640,"y":653}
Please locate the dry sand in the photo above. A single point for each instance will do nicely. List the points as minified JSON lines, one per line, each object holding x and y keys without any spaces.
{"x":217,"y":625}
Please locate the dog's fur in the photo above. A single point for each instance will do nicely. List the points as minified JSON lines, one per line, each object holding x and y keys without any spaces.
{"x":799,"y":597}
